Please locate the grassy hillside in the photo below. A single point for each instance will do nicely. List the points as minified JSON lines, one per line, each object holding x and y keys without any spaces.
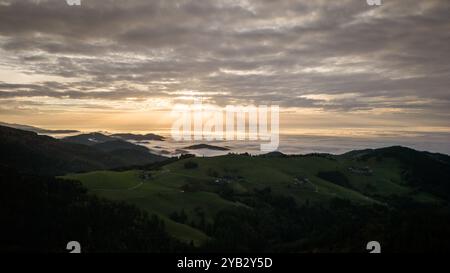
{"x":189,"y":193}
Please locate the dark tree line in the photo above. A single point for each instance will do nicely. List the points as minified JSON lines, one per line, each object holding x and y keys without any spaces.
{"x":42,"y":214}
{"x":277,"y":224}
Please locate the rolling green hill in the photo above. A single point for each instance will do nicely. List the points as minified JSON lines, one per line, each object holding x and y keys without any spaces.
{"x":189,"y":193}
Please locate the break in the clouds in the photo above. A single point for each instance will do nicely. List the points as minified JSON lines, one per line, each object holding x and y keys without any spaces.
{"x":332,"y":56}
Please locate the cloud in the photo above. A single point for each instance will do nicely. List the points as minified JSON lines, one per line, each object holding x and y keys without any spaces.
{"x":274,"y":52}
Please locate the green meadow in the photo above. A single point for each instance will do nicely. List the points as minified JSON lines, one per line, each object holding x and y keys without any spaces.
{"x":202,"y":190}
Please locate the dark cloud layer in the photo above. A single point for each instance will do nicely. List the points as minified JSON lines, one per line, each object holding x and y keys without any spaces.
{"x":393,"y":56}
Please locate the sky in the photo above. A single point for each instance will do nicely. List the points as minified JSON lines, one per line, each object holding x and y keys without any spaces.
{"x":334,"y":67}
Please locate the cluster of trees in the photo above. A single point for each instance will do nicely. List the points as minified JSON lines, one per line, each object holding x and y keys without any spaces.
{"x":277,"y":224}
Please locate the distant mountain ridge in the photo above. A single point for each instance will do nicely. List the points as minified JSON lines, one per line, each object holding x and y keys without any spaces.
{"x":138,"y":137}
{"x":37,"y":129}
{"x":102,"y":137}
{"x":29,"y":152}
{"x":89,"y":139}
{"x":96,"y":138}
